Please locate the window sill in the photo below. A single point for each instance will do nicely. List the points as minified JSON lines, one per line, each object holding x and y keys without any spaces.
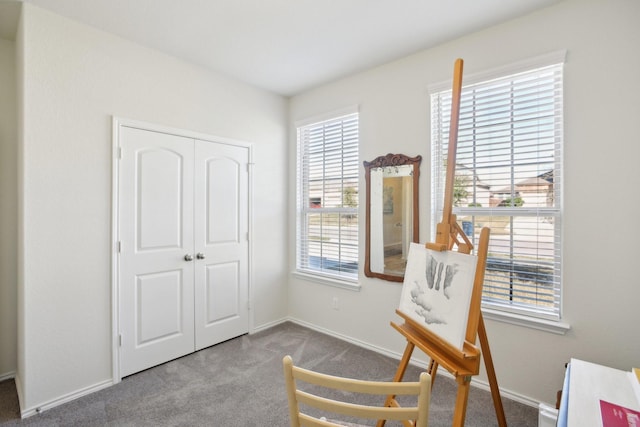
{"x":555,"y":327}
{"x":351,"y":285}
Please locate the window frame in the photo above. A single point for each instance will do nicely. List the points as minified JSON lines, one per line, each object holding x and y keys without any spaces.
{"x":303,"y":267}
{"x":520,"y":314}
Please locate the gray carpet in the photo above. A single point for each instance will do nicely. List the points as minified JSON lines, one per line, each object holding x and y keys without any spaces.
{"x":240,"y":383}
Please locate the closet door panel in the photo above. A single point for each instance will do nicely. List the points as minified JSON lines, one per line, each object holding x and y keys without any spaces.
{"x":221,"y":235}
{"x":156,"y":232}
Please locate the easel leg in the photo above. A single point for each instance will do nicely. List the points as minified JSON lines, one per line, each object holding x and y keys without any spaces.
{"x":433,"y":370}
{"x":402,"y":367}
{"x":491,"y":373}
{"x":460,"y":411}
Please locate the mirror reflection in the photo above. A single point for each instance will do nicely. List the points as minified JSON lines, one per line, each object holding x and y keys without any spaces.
{"x":391,"y":214}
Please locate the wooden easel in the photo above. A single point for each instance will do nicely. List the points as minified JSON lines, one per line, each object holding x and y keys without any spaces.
{"x":465,"y":363}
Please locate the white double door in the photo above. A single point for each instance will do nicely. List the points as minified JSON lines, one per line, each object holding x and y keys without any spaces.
{"x":183,"y":246}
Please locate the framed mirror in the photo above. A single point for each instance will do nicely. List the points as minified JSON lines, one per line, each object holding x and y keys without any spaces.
{"x":391,"y":214}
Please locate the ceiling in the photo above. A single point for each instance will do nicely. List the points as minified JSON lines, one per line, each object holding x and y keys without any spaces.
{"x":288,"y":46}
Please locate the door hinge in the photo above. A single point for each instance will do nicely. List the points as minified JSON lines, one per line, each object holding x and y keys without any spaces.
{"x":247,"y":236}
{"x":119,"y":249}
{"x":120,"y":340}
{"x":249,"y":164}
{"x":119,"y":153}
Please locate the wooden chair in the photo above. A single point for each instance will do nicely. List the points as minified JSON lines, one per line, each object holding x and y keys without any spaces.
{"x":294,"y":374}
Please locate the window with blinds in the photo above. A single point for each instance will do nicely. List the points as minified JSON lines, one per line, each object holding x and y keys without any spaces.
{"x":327,"y":198}
{"x":508,"y":178}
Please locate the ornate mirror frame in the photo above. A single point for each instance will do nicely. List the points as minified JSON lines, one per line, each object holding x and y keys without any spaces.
{"x":382,"y":162}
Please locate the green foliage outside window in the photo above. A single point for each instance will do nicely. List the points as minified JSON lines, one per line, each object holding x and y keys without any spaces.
{"x":515,"y":202}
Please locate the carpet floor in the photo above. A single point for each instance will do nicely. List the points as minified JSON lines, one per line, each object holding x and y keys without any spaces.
{"x":240,"y":383}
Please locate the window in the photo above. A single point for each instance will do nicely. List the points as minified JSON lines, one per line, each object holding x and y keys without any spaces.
{"x":327,"y":193}
{"x":508,"y":178}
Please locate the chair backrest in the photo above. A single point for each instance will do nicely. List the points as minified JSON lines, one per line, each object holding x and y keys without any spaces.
{"x":293,"y":374}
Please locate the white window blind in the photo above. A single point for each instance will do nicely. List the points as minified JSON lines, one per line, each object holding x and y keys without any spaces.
{"x":327,"y":229}
{"x":508,"y":177}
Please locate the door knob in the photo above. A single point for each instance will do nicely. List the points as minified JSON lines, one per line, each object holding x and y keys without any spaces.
{"x":200,"y":255}
{"x":188,"y":257}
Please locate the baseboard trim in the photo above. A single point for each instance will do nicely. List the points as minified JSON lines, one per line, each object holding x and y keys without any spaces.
{"x":25,"y":413}
{"x":511,"y":395}
{"x":269,"y":325}
{"x":483,"y":385}
{"x":7,"y":376}
{"x":18,"y":383}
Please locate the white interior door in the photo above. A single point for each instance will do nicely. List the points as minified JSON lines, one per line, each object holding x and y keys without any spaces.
{"x":183,"y":222}
{"x":221,"y":242}
{"x":156,"y":232}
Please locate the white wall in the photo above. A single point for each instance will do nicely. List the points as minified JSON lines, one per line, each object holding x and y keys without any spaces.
{"x":8,"y":210}
{"x":75,"y":79}
{"x":600,"y":281}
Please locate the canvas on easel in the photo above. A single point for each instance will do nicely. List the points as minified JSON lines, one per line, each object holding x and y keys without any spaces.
{"x":437,"y":290}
